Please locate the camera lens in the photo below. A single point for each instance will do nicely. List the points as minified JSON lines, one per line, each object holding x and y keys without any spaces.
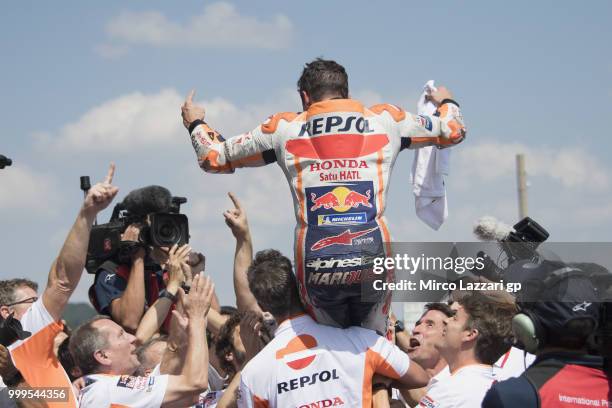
{"x":168,"y":232}
{"x":169,"y":229}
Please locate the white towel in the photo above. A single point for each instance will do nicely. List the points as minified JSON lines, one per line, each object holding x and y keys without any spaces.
{"x":429,"y":167}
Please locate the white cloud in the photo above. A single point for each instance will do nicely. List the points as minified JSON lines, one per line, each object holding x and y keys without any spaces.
{"x":27,"y":191}
{"x":572,"y":167}
{"x":118,"y":125}
{"x":153,"y":121}
{"x":220,"y":25}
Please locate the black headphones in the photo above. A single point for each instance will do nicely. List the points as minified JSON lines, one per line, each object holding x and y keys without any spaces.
{"x":528,"y":330}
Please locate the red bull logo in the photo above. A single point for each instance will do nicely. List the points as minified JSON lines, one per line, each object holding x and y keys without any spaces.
{"x":297,"y":353}
{"x":355,"y":199}
{"x":341,"y":199}
{"x":346,"y":238}
{"x":327,"y":201}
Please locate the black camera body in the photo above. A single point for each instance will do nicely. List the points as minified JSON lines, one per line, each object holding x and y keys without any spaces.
{"x":523,"y":242}
{"x":162,"y":225}
{"x":520,"y":243}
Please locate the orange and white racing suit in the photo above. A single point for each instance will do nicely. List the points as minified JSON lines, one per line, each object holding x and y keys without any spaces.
{"x":337,"y":157}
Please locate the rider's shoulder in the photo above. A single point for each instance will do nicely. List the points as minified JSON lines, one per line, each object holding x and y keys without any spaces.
{"x":397,"y":113}
{"x":271,"y":124}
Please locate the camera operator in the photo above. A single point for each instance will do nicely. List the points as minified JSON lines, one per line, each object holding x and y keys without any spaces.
{"x":125,"y":286}
{"x":33,"y":356}
{"x":557,"y":328}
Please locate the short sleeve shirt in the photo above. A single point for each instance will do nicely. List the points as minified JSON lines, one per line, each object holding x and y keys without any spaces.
{"x":124,"y":391}
{"x":309,"y":364}
{"x":110,"y":285}
{"x":34,"y":356}
{"x":465,"y":388}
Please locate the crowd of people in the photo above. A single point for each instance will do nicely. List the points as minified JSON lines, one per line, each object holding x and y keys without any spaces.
{"x":299,"y":335}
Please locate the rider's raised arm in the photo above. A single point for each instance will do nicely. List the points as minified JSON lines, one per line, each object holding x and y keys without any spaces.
{"x":252,"y":149}
{"x":444,"y":128}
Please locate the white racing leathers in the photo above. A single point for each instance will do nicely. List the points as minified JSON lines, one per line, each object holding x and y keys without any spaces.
{"x":337,"y":157}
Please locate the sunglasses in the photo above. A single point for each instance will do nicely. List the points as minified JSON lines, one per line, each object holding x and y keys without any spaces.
{"x":28,"y":300}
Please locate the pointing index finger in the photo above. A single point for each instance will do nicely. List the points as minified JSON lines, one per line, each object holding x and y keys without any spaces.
{"x":110,"y":174}
{"x":235,"y":201}
{"x":190,"y":96}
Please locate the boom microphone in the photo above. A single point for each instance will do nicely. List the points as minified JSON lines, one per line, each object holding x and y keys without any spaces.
{"x":490,"y":228}
{"x":146,"y":200}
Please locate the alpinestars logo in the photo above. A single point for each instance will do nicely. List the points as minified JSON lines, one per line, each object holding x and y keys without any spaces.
{"x":346,"y":238}
{"x":581,"y":307}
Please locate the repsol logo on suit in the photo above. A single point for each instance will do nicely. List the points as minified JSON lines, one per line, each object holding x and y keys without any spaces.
{"x":306,"y":380}
{"x":332,"y":124}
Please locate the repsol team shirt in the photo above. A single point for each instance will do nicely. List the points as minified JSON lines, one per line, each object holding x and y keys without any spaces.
{"x":123,"y":391}
{"x":308,"y":364}
{"x":465,"y":388}
{"x":35,"y":359}
{"x":337,"y":157}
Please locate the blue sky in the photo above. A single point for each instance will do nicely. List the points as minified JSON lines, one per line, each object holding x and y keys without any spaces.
{"x":85,"y":83}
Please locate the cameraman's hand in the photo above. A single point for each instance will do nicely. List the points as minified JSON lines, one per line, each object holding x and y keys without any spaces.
{"x":177,"y":262}
{"x":132,"y":234}
{"x":191,"y":112}
{"x":236,"y":219}
{"x":101,"y":194}
{"x":197,"y":302}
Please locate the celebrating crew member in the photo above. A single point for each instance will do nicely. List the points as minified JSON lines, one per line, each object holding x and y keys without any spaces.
{"x":337,"y":156}
{"x":34,"y":356}
{"x":309,"y":364}
{"x":106,"y":354}
{"x":474,"y":338}
{"x":428,"y":331}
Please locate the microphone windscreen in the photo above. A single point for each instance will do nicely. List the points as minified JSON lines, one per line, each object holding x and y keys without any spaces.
{"x":148,"y":200}
{"x":490,"y":228}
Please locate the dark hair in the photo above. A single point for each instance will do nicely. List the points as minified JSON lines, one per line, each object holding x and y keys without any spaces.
{"x":84,"y":342}
{"x":440,"y":307}
{"x":228,"y":310}
{"x":67,"y":361}
{"x":225,"y":343}
{"x":491,"y":313}
{"x":8,"y":287}
{"x":271,"y":255}
{"x":322,"y":78}
{"x":211,"y":339}
{"x":273,"y":283}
